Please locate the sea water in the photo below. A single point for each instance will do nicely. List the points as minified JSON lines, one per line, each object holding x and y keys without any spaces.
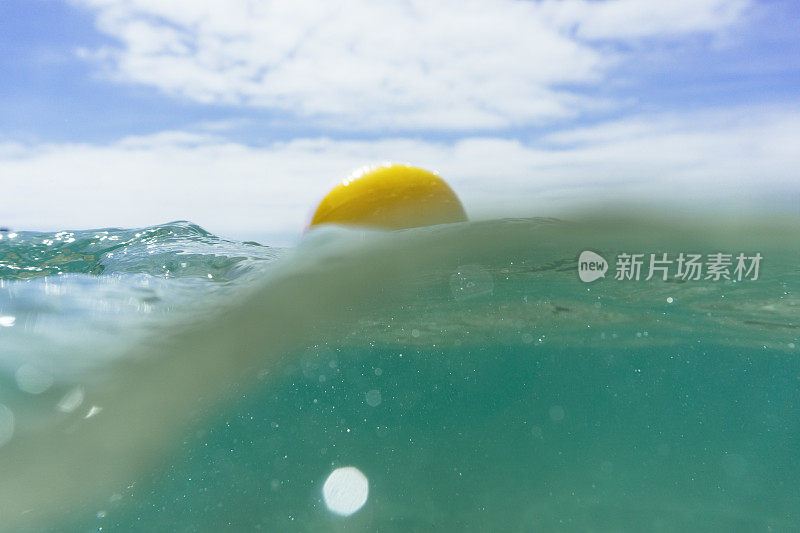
{"x":451,"y":378}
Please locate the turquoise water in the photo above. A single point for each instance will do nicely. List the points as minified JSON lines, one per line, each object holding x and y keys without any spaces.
{"x":165,"y":379}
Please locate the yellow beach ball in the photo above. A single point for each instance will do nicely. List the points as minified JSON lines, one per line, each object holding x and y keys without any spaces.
{"x":390,"y":197}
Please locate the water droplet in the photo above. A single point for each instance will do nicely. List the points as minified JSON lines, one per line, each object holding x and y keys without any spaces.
{"x":373,"y":398}
{"x":71,"y":400}
{"x":734,"y":465}
{"x":557,"y":413}
{"x":345,"y":491}
{"x":32,"y":380}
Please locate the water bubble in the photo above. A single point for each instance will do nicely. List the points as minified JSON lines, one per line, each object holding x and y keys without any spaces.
{"x":415,"y":333}
{"x":557,"y":413}
{"x":527,"y":338}
{"x":471,"y":281}
{"x":6,"y":424}
{"x":32,"y":380}
{"x":345,"y":491}
{"x":373,"y":398}
{"x":670,"y":299}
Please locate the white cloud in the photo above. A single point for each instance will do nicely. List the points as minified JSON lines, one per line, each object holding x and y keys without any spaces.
{"x":451,"y":64}
{"x":635,"y":19}
{"x":725,"y":158}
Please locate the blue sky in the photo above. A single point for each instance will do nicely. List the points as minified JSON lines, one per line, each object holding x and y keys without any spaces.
{"x":239,"y":115}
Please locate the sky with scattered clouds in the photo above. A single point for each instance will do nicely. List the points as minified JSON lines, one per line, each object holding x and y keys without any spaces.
{"x":240,"y":114}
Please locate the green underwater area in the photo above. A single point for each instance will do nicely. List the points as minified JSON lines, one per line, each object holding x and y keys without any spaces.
{"x":465,"y":370}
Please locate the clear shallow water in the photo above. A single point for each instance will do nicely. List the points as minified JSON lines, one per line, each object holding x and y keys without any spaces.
{"x":465,"y":370}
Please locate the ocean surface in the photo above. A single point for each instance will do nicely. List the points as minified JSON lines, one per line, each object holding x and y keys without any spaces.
{"x":461,"y":377}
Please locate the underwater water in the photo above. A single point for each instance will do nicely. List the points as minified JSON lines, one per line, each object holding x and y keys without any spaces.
{"x":451,"y":378}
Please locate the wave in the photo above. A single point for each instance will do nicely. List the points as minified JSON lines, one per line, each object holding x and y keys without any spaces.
{"x":176,"y":249}
{"x":483,"y":283}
